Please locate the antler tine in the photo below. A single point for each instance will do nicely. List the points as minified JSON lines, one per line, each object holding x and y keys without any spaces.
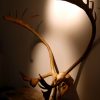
{"x":16,"y":14}
{"x":87,"y":2}
{"x":92,"y":5}
{"x":95,"y":16}
{"x":34,"y":81}
{"x":25,"y":10}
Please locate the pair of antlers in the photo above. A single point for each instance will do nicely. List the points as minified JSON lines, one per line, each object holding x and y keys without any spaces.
{"x":58,"y":77}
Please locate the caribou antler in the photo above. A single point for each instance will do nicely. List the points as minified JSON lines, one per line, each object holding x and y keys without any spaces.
{"x":30,"y":28}
{"x":54,"y":69}
{"x":89,"y":12}
{"x":58,"y":78}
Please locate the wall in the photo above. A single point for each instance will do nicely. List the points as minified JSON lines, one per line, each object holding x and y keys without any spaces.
{"x":16,"y":43}
{"x":88,"y":85}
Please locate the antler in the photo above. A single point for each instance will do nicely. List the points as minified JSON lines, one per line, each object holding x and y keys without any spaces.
{"x":59,"y":77}
{"x":89,"y":12}
{"x":54,"y":69}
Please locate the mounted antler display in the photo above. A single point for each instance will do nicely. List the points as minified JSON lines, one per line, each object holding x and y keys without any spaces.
{"x":54,"y":70}
{"x":89,"y":12}
{"x":59,"y":79}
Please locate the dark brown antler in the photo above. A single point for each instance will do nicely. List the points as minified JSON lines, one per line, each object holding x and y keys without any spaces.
{"x":24,"y":12}
{"x":89,"y":12}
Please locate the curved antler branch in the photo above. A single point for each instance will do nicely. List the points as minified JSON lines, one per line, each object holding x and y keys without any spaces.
{"x":31,"y":29}
{"x":89,"y":12}
{"x":88,"y":49}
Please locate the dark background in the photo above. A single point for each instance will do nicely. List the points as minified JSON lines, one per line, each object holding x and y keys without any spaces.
{"x":16,"y":44}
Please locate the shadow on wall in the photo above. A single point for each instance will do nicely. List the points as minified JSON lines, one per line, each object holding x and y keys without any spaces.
{"x":15,"y":41}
